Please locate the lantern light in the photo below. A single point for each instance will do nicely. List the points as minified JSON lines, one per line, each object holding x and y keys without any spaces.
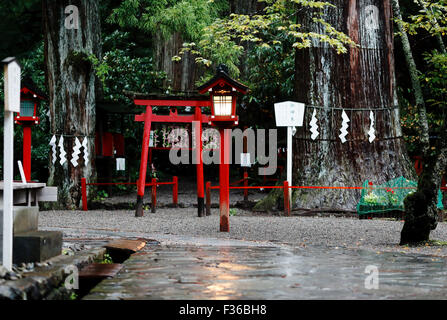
{"x":223,"y":93}
{"x":223,"y":105}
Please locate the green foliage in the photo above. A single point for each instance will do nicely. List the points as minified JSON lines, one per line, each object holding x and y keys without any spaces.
{"x":107,"y":259}
{"x":432,"y":18}
{"x":165,"y":17}
{"x":233,"y":212}
{"x":120,"y":70}
{"x":430,"y":21}
{"x":222,"y":41}
{"x":21,"y":27}
{"x":101,"y":195}
{"x":435,"y":80}
{"x":73,"y":296}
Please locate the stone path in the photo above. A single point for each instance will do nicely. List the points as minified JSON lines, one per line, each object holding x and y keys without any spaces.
{"x":238,"y":271}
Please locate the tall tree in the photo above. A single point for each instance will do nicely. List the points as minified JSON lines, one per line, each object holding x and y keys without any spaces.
{"x":343,"y":62}
{"x":72,"y":35}
{"x":361,"y":81}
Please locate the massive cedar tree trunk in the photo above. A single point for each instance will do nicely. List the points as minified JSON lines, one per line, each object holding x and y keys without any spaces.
{"x":182,"y":75}
{"x":361,"y":79}
{"x":246,"y":7}
{"x":71,"y":85}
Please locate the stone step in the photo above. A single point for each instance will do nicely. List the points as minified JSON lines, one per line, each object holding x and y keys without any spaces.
{"x":26,"y":219}
{"x":36,"y":246}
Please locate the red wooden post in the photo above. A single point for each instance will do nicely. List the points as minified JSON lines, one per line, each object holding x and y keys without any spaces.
{"x":245,"y":185}
{"x":208,"y":198}
{"x":199,"y":162}
{"x":154,"y":195}
{"x":27,"y":151}
{"x":224,"y":181}
{"x":175,"y":191}
{"x":143,"y":163}
{"x":286,"y":199}
{"x":84,"y":193}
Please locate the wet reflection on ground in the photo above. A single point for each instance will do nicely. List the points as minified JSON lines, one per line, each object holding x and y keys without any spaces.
{"x":280,"y":272}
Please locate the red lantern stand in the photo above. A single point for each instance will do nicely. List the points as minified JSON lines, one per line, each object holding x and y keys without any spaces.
{"x":27,"y":121}
{"x":148,"y":117}
{"x":222,"y":88}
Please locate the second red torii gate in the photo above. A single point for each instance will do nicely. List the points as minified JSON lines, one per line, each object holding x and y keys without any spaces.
{"x":148,"y":117}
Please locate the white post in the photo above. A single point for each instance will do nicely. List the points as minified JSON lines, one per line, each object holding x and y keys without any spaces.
{"x":289,"y":159}
{"x":291,"y":115}
{"x":8,"y":162}
{"x":12,"y":72}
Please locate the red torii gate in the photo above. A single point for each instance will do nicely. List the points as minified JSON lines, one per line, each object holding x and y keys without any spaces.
{"x":148,"y":117}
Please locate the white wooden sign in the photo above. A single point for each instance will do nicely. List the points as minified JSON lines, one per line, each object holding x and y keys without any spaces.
{"x":12,"y":85}
{"x":289,"y":114}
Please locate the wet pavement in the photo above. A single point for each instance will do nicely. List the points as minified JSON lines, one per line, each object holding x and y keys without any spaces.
{"x":270,"y":272}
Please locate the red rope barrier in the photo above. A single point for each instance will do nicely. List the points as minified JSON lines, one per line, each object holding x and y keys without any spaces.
{"x":153,"y":184}
{"x":125,"y":183}
{"x":318,"y":187}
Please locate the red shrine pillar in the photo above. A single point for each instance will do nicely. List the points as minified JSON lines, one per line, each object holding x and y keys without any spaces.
{"x":27,"y":151}
{"x":224,"y":180}
{"x":141,"y":183}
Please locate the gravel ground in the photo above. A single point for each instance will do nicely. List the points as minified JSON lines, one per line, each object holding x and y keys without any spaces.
{"x":376,"y":234}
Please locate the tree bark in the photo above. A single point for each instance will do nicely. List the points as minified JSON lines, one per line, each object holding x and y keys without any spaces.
{"x":182,"y":75}
{"x":71,"y":85}
{"x":361,"y":81}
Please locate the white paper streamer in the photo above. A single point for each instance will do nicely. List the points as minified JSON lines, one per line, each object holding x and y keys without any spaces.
{"x":314,"y":126}
{"x":344,"y":126}
{"x":371,"y":131}
{"x":53,"y":148}
{"x":76,"y":152}
{"x":86,"y":153}
{"x":62,"y":153}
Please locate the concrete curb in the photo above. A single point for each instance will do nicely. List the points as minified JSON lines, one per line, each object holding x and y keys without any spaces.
{"x":47,"y":283}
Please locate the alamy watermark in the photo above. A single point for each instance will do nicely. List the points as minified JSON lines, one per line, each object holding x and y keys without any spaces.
{"x":371,"y":17}
{"x":372,"y":280}
{"x":72,"y":279}
{"x":255,"y":146}
{"x":72,"y":20}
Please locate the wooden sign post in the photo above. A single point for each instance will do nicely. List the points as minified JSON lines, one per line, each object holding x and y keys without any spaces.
{"x":12,"y":104}
{"x":291,"y":115}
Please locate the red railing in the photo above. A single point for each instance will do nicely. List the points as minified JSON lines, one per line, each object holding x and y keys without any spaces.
{"x":154,"y":184}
